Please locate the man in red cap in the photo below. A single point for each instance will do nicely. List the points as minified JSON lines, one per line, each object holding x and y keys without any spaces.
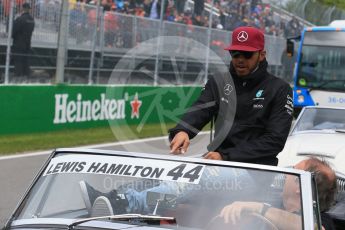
{"x":263,"y":112}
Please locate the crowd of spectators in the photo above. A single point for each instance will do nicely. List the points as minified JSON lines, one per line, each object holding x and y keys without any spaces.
{"x":229,"y":13}
{"x":118,"y":30}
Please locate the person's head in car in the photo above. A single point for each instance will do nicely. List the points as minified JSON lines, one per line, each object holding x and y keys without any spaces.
{"x":325,"y":180}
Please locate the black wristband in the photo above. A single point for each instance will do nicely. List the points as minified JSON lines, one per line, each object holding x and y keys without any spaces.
{"x":225,"y":157}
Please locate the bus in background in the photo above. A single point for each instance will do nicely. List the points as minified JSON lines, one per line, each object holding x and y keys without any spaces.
{"x":319,"y":73}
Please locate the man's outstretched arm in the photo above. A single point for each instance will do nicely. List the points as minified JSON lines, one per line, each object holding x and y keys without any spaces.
{"x":196,"y":117}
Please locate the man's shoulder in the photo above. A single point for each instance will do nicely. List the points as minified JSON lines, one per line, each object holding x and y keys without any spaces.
{"x":213,"y":81}
{"x":19,"y":17}
{"x":29,"y":16}
{"x":278,"y":83}
{"x":26,"y":16}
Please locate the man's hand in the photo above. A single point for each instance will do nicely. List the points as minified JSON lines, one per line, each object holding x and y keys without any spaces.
{"x":232,"y":213}
{"x":180,"y":143}
{"x":213,"y":156}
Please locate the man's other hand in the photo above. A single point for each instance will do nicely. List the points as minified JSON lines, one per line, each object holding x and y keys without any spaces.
{"x":213,"y":156}
{"x":180,"y":143}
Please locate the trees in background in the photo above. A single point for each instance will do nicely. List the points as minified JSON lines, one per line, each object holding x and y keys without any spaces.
{"x":318,"y":12}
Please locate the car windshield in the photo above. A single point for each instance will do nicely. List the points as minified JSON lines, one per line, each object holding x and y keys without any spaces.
{"x":320,"y":119}
{"x":321,"y":61}
{"x":77,"y":186}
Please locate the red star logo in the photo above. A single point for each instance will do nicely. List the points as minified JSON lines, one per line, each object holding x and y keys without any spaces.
{"x":135,"y":104}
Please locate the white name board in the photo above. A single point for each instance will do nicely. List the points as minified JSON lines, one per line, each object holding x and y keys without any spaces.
{"x":126,"y":166}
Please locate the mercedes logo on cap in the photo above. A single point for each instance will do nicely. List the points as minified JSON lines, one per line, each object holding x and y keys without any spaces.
{"x":242,"y":36}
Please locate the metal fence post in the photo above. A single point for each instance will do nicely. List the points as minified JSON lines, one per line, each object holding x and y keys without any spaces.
{"x":62,"y":41}
{"x":134,"y":40}
{"x":155,"y":82}
{"x":66,"y":40}
{"x":94,"y":43}
{"x":8,"y":51}
{"x":209,"y":31}
{"x":101,"y":48}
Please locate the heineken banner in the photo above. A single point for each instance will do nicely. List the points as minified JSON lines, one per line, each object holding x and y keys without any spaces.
{"x":27,"y":109}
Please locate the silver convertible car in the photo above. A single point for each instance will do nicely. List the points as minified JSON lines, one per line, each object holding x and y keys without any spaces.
{"x":99,"y":189}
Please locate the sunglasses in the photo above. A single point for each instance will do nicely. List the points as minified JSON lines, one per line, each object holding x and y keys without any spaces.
{"x":245,"y":54}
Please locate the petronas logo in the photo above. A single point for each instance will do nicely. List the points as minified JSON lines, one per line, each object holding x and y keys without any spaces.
{"x":259,"y":93}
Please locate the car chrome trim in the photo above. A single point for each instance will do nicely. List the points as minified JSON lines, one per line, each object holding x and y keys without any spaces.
{"x":130,"y":216}
{"x":340,"y":184}
{"x":179,"y":158}
{"x":325,"y":155}
{"x":307,"y":201}
{"x":58,"y":222}
{"x":316,"y":131}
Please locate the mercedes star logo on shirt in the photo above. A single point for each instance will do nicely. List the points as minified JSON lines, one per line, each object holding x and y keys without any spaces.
{"x":228,"y":89}
{"x":242,"y":36}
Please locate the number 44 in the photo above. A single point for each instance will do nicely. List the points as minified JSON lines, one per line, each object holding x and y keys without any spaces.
{"x":178,"y":172}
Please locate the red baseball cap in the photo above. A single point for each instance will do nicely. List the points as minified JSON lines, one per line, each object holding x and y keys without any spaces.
{"x":247,"y":39}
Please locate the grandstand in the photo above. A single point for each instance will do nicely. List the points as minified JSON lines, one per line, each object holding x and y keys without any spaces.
{"x":122,"y":25}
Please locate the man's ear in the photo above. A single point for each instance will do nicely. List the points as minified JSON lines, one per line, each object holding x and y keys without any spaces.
{"x":262,"y":55}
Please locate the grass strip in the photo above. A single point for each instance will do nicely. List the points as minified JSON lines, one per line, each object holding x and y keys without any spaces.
{"x":11,"y":144}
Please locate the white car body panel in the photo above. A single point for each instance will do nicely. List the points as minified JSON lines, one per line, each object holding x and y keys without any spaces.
{"x":330,"y":146}
{"x":327,"y":143}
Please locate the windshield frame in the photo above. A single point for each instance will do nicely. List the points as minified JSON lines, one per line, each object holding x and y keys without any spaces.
{"x":304,"y":109}
{"x":305,"y":178}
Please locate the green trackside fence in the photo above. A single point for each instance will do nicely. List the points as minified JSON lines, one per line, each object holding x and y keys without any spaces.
{"x":29,"y":109}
